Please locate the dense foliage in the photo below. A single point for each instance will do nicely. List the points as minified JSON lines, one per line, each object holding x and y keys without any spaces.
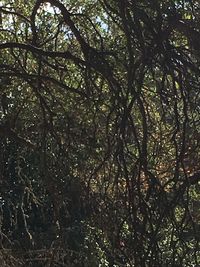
{"x":99,"y":133}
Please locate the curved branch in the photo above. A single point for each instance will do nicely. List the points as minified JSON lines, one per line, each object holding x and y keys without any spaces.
{"x":46,"y":78}
{"x":3,"y":10}
{"x":66,"y":16}
{"x":39,"y":51}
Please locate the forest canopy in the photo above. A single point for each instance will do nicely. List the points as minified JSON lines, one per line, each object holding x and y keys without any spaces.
{"x":99,"y":133}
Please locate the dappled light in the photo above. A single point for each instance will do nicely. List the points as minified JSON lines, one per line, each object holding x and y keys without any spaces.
{"x":99,"y":133}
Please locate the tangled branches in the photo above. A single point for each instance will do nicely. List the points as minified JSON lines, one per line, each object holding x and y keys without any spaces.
{"x":100,"y":132}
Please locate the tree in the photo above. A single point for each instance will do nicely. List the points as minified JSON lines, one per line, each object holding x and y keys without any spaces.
{"x":100,"y":132}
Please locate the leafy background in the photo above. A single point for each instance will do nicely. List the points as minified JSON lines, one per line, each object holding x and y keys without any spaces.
{"x":99,"y":128}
